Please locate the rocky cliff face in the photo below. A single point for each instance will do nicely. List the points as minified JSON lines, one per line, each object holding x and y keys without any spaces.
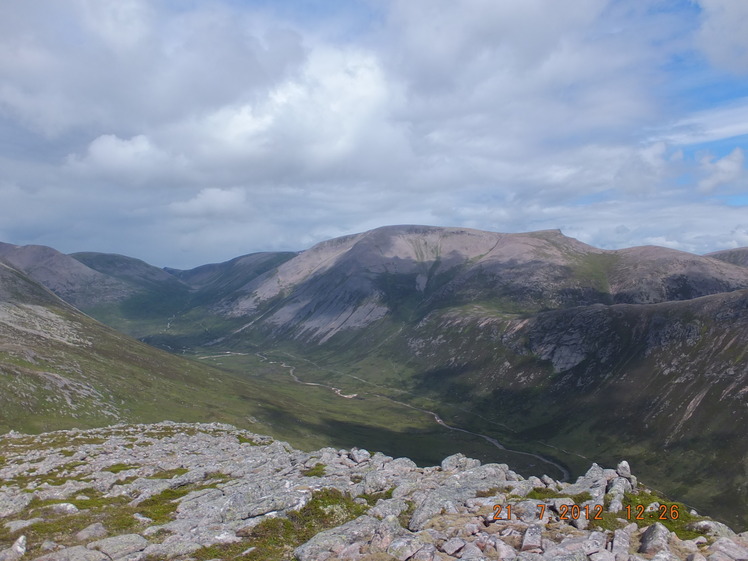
{"x":176,"y":491}
{"x":351,"y":282}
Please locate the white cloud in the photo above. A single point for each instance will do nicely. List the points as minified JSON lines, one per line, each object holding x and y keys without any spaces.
{"x":213,"y":203}
{"x":723,"y":33}
{"x":218,"y":128}
{"x":722,"y":171}
{"x":121,"y":24}
{"x":709,"y":125}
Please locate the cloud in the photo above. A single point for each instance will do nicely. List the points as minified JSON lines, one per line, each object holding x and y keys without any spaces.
{"x":219,"y":128}
{"x":722,"y":171}
{"x":723,"y":35}
{"x":213,"y":203}
{"x":709,"y":125}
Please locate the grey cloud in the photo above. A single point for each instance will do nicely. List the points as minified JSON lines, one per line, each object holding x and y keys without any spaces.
{"x":723,"y":33}
{"x":189,"y":133}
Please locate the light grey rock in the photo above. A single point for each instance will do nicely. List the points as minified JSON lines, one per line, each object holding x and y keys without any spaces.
{"x":376,"y":482}
{"x":665,"y":555}
{"x":594,"y":543}
{"x":49,"y":545}
{"x":654,"y":539}
{"x":427,"y":552}
{"x":602,"y":556}
{"x":532,"y":539}
{"x":472,"y":552}
{"x":557,"y":503}
{"x":580,"y":523}
{"x":537,"y":483}
{"x":440,"y":501}
{"x":359,"y":455}
{"x":92,"y":532}
{"x":64,"y":508}
{"x":402,"y":548}
{"x":452,"y":546}
{"x":621,"y":542}
{"x":388,"y":507}
{"x":578,"y":555}
{"x":504,"y":550}
{"x":719,"y":556}
{"x":458,"y":462}
{"x":388,"y":530}
{"x":593,"y":482}
{"x":402,"y":466}
{"x":616,"y":504}
{"x":728,"y":547}
{"x":623,"y":469}
{"x":13,"y":502}
{"x":77,"y":553}
{"x":362,"y":529}
{"x":711,"y":528}
{"x":15,"y":525}
{"x":519,"y":488}
{"x":696,"y":556}
{"x":527,"y":511}
{"x":14,"y":552}
{"x":619,"y":486}
{"x":118,"y":547}
{"x":171,"y":548}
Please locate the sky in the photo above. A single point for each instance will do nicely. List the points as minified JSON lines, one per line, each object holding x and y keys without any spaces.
{"x":185,"y":132}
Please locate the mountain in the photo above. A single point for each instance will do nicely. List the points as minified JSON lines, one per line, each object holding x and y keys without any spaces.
{"x":60,"y":368}
{"x":352,"y":282}
{"x":210,"y":491}
{"x":548,"y":344}
{"x":66,"y":277}
{"x":737,"y":256}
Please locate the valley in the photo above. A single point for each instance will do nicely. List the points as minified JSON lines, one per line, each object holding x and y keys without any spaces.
{"x":439,"y":340}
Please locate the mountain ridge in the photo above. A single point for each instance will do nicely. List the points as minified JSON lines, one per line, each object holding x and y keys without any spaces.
{"x":535,"y":333}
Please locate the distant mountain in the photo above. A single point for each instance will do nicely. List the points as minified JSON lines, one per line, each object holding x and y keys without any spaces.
{"x":59,"y":368}
{"x":538,"y":337}
{"x":65,"y":276}
{"x":408,"y":271}
{"x":737,"y":256}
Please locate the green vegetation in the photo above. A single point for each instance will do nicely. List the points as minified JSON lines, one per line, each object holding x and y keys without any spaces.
{"x":117,"y":468}
{"x":318,"y":470}
{"x":274,"y":539}
{"x":169,"y":474}
{"x":405,"y":516}
{"x":674,"y":516}
{"x":113,"y":512}
{"x":372,"y":498}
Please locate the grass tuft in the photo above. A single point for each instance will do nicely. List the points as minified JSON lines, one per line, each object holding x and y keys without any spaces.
{"x":317,"y":471}
{"x":274,"y":539}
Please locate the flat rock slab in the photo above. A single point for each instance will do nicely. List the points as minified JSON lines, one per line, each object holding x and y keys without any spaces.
{"x":77,"y":553}
{"x":120,"y":546}
{"x":533,"y":538}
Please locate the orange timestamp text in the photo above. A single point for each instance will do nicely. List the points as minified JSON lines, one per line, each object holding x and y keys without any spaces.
{"x":595,"y":512}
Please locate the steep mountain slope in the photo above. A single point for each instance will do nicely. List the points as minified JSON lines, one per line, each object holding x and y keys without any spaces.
{"x":59,"y":368}
{"x":65,"y":276}
{"x":405,"y":272}
{"x":737,"y":256}
{"x":167,"y":307}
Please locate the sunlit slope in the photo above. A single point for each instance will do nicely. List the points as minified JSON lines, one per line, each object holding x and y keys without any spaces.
{"x":59,"y":368}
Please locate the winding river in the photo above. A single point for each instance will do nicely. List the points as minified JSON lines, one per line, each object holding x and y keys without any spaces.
{"x":437,"y":419}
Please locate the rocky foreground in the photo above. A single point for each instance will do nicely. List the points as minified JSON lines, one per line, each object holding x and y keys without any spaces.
{"x":210,"y":491}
